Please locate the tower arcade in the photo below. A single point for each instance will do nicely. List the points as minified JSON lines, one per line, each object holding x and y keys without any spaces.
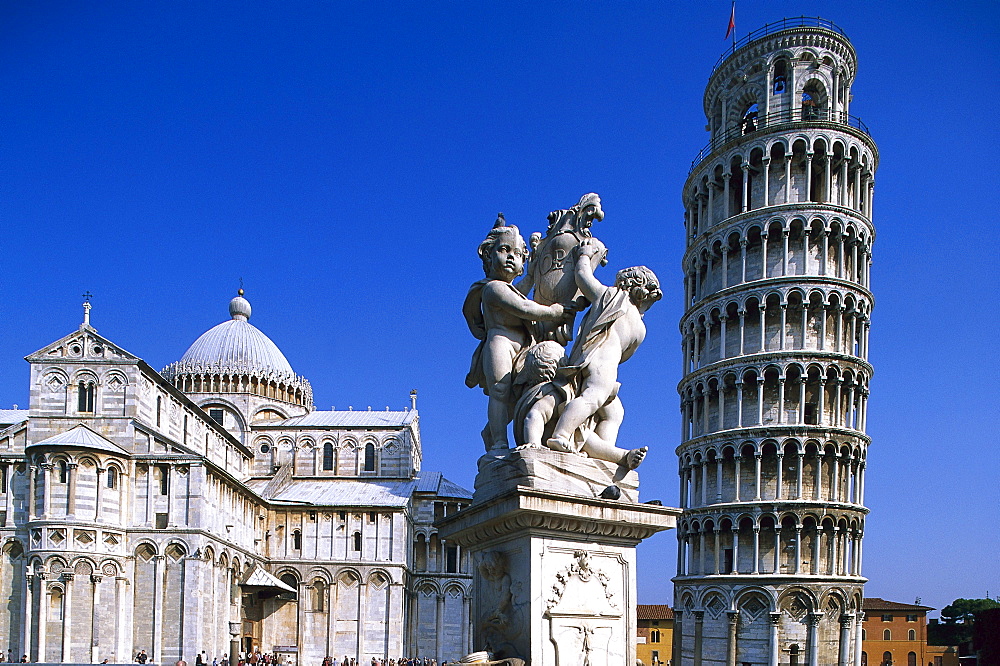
{"x":775,"y":347}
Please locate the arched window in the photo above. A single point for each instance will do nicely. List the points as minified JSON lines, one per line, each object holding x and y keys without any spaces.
{"x":369,"y":457}
{"x":812,"y":101}
{"x":328,"y":457}
{"x":911,"y":659}
{"x":793,"y":655}
{"x":289,"y":580}
{"x":85,"y":397}
{"x":911,"y":635}
{"x":112,"y":477}
{"x":780,"y":78}
{"x":319,"y":596}
{"x":886,"y":658}
{"x":63,"y":471}
{"x":654,"y":636}
{"x":159,"y":409}
{"x":864,"y":659}
{"x":887,"y":635}
{"x":750,"y":119}
{"x":357,"y":541}
{"x":296,"y":540}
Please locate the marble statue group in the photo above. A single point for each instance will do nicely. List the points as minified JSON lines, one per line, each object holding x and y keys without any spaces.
{"x":567,"y":402}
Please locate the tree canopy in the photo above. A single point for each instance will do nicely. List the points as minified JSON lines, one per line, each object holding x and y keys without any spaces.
{"x":964,"y":610}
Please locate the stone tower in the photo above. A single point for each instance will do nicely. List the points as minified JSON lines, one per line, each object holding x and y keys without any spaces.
{"x":775,"y":347}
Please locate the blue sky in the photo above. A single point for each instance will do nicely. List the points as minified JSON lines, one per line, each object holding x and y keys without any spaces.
{"x":345,"y":160}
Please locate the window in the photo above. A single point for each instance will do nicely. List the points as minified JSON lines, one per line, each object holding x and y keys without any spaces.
{"x":369,"y":457}
{"x":793,"y":655}
{"x":372,"y":516}
{"x":357,"y":541}
{"x":911,"y":618}
{"x":85,"y":396}
{"x":63,"y":471}
{"x":911,"y":635}
{"x":864,"y":634}
{"x":451,"y":559}
{"x":780,"y":78}
{"x":727,"y":560}
{"x":217,"y":415}
{"x":185,"y":429}
{"x":161,"y":521}
{"x":886,"y":658}
{"x":938,"y":661}
{"x":654,"y":636}
{"x":328,"y":457}
{"x":750,"y":119}
{"x":112,"y":477}
{"x":164,"y":479}
{"x":656,"y":657}
{"x":887,"y":618}
{"x":319,"y":594}
{"x":887,"y":635}
{"x":342,"y":515}
{"x":911,"y":659}
{"x":296,"y":540}
{"x":3,"y":479}
{"x":864,"y":659}
{"x":159,"y":409}
{"x":289,"y":580}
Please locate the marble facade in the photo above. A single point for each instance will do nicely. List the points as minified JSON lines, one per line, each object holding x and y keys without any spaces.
{"x":211,"y":507}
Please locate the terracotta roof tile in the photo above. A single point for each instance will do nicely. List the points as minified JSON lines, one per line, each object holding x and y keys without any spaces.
{"x":654,"y":612}
{"x":877,"y":604}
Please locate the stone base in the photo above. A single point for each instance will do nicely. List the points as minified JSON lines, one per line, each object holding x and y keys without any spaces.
{"x":552,"y":471}
{"x":554,"y":572}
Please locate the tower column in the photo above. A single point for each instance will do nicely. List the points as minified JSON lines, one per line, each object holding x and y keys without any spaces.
{"x":699,"y":633}
{"x":775,"y":619}
{"x":813,"y":637}
{"x":734,"y":620}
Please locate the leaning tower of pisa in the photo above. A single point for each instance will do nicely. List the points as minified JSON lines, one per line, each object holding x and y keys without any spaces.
{"x":778,"y":221}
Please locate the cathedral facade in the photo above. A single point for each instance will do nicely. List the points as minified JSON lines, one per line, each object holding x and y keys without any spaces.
{"x":209,"y":507}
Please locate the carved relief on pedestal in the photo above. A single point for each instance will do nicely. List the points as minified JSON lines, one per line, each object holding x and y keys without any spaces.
{"x":502,"y":618}
{"x":585,"y":614}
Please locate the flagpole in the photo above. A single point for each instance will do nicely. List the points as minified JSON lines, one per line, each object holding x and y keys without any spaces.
{"x":734,"y":26}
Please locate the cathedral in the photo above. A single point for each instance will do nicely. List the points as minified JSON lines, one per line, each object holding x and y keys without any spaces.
{"x":210,"y":507}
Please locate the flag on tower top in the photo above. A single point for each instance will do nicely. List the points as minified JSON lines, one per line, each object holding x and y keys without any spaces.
{"x":732,"y":21}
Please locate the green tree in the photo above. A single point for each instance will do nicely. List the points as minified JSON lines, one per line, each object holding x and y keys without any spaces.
{"x":964,"y":610}
{"x":957,"y":619}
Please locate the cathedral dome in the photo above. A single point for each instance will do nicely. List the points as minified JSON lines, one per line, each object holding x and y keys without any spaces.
{"x":236,"y":357}
{"x":237,"y":346}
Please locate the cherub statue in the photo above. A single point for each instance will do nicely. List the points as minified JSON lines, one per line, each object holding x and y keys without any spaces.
{"x":610,"y":333}
{"x":500,"y":317}
{"x":547,"y":393}
{"x":551,"y":270}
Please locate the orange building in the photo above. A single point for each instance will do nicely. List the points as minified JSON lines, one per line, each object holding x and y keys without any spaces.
{"x":655,"y":632}
{"x":895,"y":634}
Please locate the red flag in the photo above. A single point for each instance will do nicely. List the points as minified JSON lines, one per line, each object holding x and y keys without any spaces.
{"x":732,"y":22}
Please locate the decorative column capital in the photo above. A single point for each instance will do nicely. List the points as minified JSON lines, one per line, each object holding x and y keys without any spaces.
{"x":813,"y":619}
{"x":775,"y":619}
{"x":846,"y":620}
{"x":96,"y":578}
{"x":699,"y":616}
{"x":733,"y":616}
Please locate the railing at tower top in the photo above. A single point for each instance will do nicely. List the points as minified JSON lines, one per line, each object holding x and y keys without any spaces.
{"x":778,"y":26}
{"x":772,"y":121}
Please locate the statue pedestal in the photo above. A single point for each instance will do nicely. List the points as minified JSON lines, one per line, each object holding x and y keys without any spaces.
{"x":554,"y":571}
